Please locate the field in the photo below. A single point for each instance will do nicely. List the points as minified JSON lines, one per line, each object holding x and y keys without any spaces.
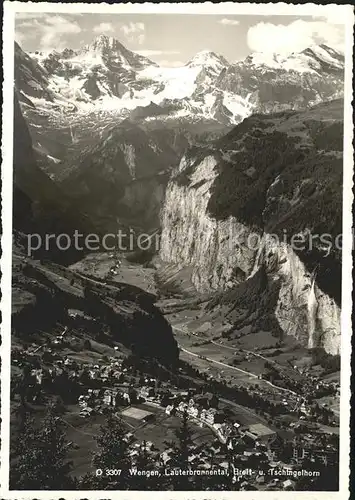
{"x":201,"y":334}
{"x":99,"y":264}
{"x":333,"y":403}
{"x":136,"y":413}
{"x":163,"y":428}
{"x":217,"y":361}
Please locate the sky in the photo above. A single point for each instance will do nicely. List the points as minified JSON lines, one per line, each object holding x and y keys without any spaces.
{"x":173,"y":39}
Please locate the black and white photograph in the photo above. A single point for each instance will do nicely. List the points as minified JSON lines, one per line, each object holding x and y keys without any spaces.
{"x":177,"y":234}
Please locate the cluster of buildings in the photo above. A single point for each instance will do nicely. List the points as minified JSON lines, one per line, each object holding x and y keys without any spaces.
{"x":109,"y":387}
{"x":125,"y":394}
{"x":114,"y":269}
{"x":317,"y":447}
{"x":303,"y":405}
{"x":102,"y":400}
{"x":106,"y":372}
{"x":42,"y":372}
{"x":211,"y":417}
{"x":315,"y":387}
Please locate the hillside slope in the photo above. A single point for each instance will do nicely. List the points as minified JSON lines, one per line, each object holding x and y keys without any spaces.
{"x":45,"y":294}
{"x":39,"y":205}
{"x":234,"y":207}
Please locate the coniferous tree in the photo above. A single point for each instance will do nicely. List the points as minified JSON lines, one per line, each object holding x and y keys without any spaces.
{"x":24,"y":422}
{"x":182,"y":450}
{"x":146,"y":461}
{"x":184,"y":445}
{"x":114,"y":454}
{"x":42,"y":456}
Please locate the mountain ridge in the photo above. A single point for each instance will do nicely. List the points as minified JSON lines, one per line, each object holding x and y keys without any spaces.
{"x":105,"y":74}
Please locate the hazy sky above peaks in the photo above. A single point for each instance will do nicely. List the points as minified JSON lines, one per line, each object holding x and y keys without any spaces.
{"x":173,"y":39}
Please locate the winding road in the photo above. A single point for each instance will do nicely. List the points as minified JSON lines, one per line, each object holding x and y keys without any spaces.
{"x":251,"y":375}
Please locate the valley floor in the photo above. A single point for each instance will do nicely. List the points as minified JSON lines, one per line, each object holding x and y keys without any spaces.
{"x":234,"y":369}
{"x":202,"y":345}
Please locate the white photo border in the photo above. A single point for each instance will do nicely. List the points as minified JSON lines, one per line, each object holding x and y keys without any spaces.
{"x":206,"y":8}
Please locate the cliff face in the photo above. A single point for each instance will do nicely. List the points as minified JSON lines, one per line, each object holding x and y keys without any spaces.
{"x":303,"y":309}
{"x":119,"y":181}
{"x":142,"y":201}
{"x":224,"y":208}
{"x":191,"y":236}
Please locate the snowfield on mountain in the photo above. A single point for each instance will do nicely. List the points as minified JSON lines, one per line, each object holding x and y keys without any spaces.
{"x":106,"y":75}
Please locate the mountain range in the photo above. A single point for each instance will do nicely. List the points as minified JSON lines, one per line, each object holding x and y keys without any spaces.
{"x":106,"y":75}
{"x":73,"y":100}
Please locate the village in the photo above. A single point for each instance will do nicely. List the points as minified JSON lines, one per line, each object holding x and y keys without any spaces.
{"x":111,"y":385}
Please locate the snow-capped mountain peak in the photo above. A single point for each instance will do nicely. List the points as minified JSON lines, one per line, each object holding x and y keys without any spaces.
{"x":102,"y":43}
{"x":106,"y":75}
{"x":208,"y":58}
{"x":323,"y":54}
{"x":109,"y":47}
{"x":312,"y":59}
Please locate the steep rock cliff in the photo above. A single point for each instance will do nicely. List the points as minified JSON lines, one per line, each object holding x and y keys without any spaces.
{"x":142,"y":201}
{"x":234,"y":208}
{"x":115,"y":177}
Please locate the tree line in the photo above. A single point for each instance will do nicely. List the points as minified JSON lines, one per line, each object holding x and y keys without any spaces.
{"x":40,"y":458}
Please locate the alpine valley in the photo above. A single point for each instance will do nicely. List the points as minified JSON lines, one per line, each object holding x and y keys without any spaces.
{"x":257,"y":142}
{"x":207,"y":159}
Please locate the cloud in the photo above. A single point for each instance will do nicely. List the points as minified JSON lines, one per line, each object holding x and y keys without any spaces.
{"x":294,"y":37}
{"x":38,"y":15}
{"x":103,"y":28}
{"x":20,"y":38}
{"x":50,"y":30}
{"x":19,"y":16}
{"x":134,"y":32}
{"x":333,"y":14}
{"x":149,"y":53}
{"x":229,"y":22}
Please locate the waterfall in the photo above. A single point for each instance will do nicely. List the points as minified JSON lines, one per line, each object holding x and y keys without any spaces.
{"x":312,"y":315}
{"x":73,"y":136}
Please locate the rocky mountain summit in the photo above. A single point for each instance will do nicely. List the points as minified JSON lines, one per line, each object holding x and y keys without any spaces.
{"x":276,"y":83}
